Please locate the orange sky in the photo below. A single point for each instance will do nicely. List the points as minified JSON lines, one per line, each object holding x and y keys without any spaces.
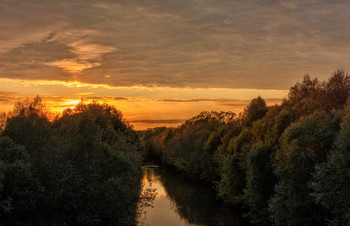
{"x":161,"y":62}
{"x":144,"y":107}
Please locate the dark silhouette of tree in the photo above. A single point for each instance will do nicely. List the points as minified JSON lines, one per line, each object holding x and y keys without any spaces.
{"x":255,"y":110}
{"x":19,"y":187}
{"x":87,"y":163}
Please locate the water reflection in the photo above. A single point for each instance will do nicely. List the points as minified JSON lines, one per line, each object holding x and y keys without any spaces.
{"x":178,"y":201}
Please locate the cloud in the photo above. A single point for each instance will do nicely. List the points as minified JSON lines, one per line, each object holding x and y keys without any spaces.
{"x":290,"y":4}
{"x":7,"y":93}
{"x":162,"y":121}
{"x":20,"y":22}
{"x":86,"y":93}
{"x":106,"y":98}
{"x":73,"y":65}
{"x":199,"y":44}
{"x":56,"y":103}
{"x":69,"y":84}
{"x":194,"y":100}
{"x":88,"y":51}
{"x":7,"y":97}
{"x":86,"y":54}
{"x":223,"y":101}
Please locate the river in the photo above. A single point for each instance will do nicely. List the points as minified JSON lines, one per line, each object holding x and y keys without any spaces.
{"x":179,"y":201}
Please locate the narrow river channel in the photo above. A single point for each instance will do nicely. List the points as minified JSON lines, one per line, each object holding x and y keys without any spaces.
{"x":179,"y":201}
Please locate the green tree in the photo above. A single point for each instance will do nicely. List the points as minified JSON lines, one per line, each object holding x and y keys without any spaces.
{"x":87,"y":163}
{"x":303,"y":144}
{"x":95,"y":177}
{"x":331,"y":182}
{"x":232,"y":180}
{"x":260,"y":182}
{"x":19,"y":188}
{"x":208,"y":164}
{"x":192,"y":147}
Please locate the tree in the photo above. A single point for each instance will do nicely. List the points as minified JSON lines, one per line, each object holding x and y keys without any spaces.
{"x":337,"y":90}
{"x":255,"y":110}
{"x":94,"y":178}
{"x":28,"y":125}
{"x":303,"y":144}
{"x":192,"y":147}
{"x":331,"y":182}
{"x":232,"y":182}
{"x":87,"y":164}
{"x":312,"y":95}
{"x":260,"y":182}
{"x":19,"y":188}
{"x":3,"y":119}
{"x":208,"y":165}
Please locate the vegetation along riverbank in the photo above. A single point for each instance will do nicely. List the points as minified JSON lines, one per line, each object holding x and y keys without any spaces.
{"x":281,"y":164}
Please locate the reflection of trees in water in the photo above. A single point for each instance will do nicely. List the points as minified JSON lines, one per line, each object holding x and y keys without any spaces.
{"x":147,"y":195}
{"x":196,"y":203}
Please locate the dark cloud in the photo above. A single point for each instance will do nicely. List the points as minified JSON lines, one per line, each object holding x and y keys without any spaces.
{"x":199,"y":100}
{"x":223,"y":101}
{"x":7,"y":93}
{"x":7,"y":97}
{"x":106,"y":98}
{"x":273,"y":100}
{"x":30,"y":61}
{"x":160,"y":121}
{"x":234,"y":104}
{"x":202,"y":43}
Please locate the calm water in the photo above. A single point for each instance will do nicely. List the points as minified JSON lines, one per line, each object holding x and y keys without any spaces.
{"x":178,"y":201}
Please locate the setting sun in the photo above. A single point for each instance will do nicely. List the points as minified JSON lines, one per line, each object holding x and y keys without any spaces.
{"x":71,"y":103}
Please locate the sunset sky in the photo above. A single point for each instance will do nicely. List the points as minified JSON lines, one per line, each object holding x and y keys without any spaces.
{"x":163,"y":61}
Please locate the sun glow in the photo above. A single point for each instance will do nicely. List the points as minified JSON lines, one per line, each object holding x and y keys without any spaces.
{"x":144,"y":107}
{"x":72,"y":102}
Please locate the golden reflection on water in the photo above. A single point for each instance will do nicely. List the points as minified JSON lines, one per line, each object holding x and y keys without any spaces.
{"x":163,"y":210}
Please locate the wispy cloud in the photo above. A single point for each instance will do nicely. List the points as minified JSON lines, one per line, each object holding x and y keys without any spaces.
{"x":223,"y":101}
{"x":87,"y":54}
{"x":70,"y":84}
{"x":90,"y":51}
{"x":73,"y":65}
{"x":161,"y":121}
{"x":7,"y":97}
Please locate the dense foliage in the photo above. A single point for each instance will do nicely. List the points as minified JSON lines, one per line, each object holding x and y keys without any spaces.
{"x":81,"y":168}
{"x":285,"y":164}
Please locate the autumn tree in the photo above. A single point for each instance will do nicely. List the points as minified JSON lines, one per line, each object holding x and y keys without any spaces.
{"x":255,"y":110}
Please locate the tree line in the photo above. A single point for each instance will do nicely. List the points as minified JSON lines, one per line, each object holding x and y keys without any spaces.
{"x":286,"y":164}
{"x":79,"y":168}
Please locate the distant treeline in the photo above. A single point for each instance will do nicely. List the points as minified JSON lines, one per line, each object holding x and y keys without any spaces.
{"x":79,"y":168}
{"x":286,"y":164}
